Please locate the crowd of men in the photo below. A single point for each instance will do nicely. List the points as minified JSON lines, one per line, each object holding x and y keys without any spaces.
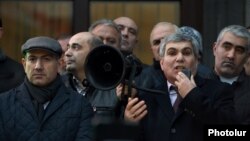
{"x":50,"y":98}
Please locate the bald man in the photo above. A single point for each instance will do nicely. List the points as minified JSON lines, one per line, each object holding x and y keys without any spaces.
{"x":129,"y":31}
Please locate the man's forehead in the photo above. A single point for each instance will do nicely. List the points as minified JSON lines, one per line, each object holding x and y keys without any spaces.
{"x":103,"y":28}
{"x":126,"y":22}
{"x":179,"y":44}
{"x":76,"y":40}
{"x":233,"y":39}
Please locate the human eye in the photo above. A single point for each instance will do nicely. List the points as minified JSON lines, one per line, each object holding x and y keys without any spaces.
{"x":111,"y":41}
{"x":75,"y":46}
{"x":120,"y":27}
{"x":187,"y":52}
{"x":132,"y":31}
{"x":171,"y":52}
{"x":32,"y":59}
{"x":240,"y":50}
{"x":156,"y":42}
{"x":227,"y":46}
{"x":47,"y":59}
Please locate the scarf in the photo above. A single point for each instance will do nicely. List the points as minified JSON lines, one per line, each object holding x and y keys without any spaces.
{"x":41,"y":95}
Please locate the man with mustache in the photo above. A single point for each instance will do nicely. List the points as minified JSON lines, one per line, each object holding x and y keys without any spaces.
{"x":231,"y":51}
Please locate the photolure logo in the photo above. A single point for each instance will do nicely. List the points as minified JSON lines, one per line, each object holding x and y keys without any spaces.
{"x":235,"y":132}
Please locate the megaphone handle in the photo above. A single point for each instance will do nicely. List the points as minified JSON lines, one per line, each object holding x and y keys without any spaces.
{"x":131,"y":78}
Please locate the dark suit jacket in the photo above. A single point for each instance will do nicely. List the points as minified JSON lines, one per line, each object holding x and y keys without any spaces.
{"x":211,"y":102}
{"x":67,"y":117}
{"x":151,"y":76}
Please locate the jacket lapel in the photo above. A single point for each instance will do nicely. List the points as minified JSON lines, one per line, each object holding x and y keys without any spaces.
{"x":61,"y":97}
{"x":199,"y":82}
{"x":164,"y":102}
{"x":25,"y":100}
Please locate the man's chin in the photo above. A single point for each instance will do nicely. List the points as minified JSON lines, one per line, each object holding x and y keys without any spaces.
{"x":70,"y":69}
{"x":228,"y":73}
{"x":39,"y":83}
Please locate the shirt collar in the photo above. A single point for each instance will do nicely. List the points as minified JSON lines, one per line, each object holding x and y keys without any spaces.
{"x":169,"y":85}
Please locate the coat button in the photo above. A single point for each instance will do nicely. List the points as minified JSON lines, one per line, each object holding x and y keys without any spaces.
{"x":173,"y":130}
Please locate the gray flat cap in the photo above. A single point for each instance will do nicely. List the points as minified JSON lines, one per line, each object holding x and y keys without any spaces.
{"x":42,"y":42}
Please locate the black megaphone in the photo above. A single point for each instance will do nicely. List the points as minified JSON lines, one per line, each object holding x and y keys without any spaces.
{"x":104,"y":67}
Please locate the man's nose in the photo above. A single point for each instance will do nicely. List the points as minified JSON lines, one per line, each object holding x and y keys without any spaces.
{"x":68,"y":52}
{"x":125,"y":32}
{"x":179,"y":56}
{"x":231,"y":53}
{"x":38,"y":64}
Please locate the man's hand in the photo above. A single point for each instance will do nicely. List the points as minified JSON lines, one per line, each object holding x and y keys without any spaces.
{"x":120,"y":93}
{"x":135,"y":110}
{"x":184,"y":84}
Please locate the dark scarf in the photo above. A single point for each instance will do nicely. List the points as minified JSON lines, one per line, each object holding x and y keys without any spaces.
{"x":43,"y":94}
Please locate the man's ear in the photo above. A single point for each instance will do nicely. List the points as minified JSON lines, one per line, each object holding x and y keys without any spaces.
{"x":162,"y":63}
{"x":24,"y":63}
{"x":214,"y":47}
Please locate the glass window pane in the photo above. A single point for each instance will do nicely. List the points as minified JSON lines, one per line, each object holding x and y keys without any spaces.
{"x":25,"y":19}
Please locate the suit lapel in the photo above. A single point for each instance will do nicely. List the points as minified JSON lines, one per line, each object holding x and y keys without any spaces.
{"x":199,"y":82}
{"x":164,"y":102}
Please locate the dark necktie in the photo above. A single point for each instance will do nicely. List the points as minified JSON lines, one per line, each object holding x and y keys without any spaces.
{"x":178,"y":99}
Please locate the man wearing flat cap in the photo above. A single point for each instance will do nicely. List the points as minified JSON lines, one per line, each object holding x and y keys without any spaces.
{"x":42,"y":108}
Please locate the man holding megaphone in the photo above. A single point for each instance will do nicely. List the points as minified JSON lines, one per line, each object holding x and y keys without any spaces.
{"x":101,"y":92}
